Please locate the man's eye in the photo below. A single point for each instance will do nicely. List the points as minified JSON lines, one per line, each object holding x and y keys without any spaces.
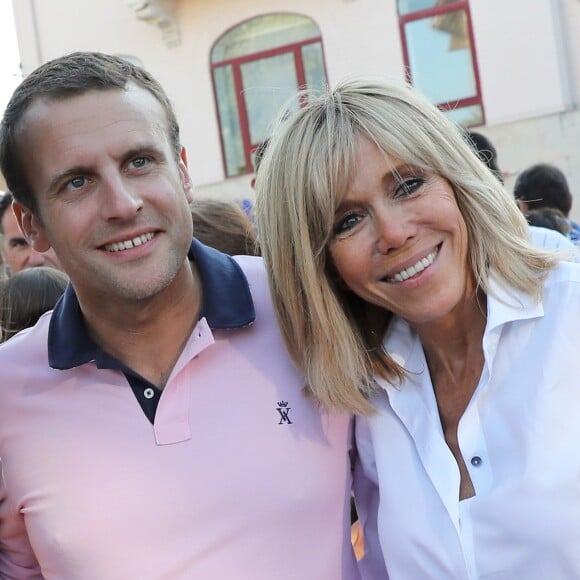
{"x":77,"y":182}
{"x":409,"y":185}
{"x":139,"y":162}
{"x":346,"y":223}
{"x":18,"y":243}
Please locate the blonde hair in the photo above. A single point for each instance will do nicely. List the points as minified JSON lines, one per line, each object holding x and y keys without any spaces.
{"x":332,"y":335}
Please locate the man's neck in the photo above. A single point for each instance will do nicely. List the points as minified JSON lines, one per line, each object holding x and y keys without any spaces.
{"x":148,"y":336}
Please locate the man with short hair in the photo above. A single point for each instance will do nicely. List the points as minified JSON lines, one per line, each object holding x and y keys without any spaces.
{"x":17,"y":253}
{"x":153,"y":426}
{"x":545,"y":186}
{"x":541,"y":237}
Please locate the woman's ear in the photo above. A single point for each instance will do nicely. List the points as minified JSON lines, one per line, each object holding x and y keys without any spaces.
{"x":31,"y":227}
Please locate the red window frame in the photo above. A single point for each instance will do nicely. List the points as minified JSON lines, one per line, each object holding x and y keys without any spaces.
{"x":236,"y":63}
{"x":436,"y":11}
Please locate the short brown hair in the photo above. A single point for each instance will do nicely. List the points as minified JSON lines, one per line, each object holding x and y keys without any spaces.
{"x":223,"y":225}
{"x":26,"y":296}
{"x":63,"y":78}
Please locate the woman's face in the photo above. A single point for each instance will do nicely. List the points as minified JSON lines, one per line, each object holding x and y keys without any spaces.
{"x":399,"y":239}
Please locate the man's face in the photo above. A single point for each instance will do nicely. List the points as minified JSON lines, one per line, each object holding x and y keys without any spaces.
{"x":18,"y":254}
{"x":113,"y":200}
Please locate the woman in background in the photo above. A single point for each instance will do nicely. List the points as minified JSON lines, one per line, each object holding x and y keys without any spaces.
{"x":26,"y":296}
{"x":223,"y":225}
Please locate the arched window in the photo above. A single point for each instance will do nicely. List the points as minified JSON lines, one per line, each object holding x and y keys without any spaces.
{"x":257,"y":67}
{"x":439,"y":53}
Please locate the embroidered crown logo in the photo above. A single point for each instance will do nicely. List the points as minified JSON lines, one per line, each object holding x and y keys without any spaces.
{"x":284,"y":410}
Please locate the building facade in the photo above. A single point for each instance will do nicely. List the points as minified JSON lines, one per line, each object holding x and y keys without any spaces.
{"x":508,"y":68}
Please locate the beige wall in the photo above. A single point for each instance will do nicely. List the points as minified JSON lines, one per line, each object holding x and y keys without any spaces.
{"x":520,"y":59}
{"x":528,"y":53}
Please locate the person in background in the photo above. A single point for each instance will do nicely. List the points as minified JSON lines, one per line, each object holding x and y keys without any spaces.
{"x":543,"y":185}
{"x":485,"y":150}
{"x":543,"y":237}
{"x":26,"y":296}
{"x":224,"y":225}
{"x":153,"y":427}
{"x":409,"y":292}
{"x":549,"y":218}
{"x":17,"y":252}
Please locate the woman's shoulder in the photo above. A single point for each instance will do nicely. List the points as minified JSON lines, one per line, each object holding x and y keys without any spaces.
{"x":564,"y":273}
{"x":562,"y":287}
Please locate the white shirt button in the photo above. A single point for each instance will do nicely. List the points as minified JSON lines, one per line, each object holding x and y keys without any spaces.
{"x":148,"y":393}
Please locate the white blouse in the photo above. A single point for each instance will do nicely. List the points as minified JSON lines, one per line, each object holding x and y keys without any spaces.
{"x":519,"y":437}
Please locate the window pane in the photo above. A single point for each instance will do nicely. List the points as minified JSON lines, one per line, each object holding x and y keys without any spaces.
{"x":440,"y":57}
{"x":229,"y":119}
{"x":264,"y":98}
{"x":263,"y":33}
{"x":313,"y":66}
{"x":409,"y":6}
{"x":466,"y":116}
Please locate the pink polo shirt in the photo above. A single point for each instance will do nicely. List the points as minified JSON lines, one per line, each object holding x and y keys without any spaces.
{"x":240,"y":475}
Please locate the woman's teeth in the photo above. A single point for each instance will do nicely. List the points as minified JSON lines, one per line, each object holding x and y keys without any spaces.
{"x":414,"y":269}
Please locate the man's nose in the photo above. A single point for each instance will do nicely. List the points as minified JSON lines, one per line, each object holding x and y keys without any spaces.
{"x":121,"y":200}
{"x":35,"y":259}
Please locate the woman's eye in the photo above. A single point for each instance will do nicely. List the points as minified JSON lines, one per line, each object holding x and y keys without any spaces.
{"x":346,"y":223}
{"x":409,"y":185}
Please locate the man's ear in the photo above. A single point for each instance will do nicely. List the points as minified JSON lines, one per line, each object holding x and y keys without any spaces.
{"x":185,"y":176}
{"x":31,"y":227}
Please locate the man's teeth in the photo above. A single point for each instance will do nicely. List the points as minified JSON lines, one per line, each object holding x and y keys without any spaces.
{"x":414,"y":269}
{"x":128,"y":244}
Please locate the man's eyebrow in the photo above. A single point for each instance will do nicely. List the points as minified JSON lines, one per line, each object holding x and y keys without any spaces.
{"x":60,"y":176}
{"x":135,"y":151}
{"x":142,"y":148}
{"x":17,"y":239}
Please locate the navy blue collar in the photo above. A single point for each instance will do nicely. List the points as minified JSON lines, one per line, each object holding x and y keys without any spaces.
{"x":227,"y":303}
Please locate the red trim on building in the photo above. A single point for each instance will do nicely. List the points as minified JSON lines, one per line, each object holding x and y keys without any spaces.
{"x":437,"y":11}
{"x":296,"y":50}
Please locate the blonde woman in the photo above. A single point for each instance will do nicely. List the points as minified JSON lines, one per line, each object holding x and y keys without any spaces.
{"x":408,"y":292}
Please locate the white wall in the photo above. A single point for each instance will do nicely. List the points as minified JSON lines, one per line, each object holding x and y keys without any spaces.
{"x":519,"y":55}
{"x":528,"y":53}
{"x":359,"y":37}
{"x":570,"y":18}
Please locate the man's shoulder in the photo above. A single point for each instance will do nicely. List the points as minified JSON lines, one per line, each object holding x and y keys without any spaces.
{"x":29,"y":344}
{"x":253,"y":265}
{"x":255,"y":273}
{"x":23,"y":360}
{"x":254,"y":270}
